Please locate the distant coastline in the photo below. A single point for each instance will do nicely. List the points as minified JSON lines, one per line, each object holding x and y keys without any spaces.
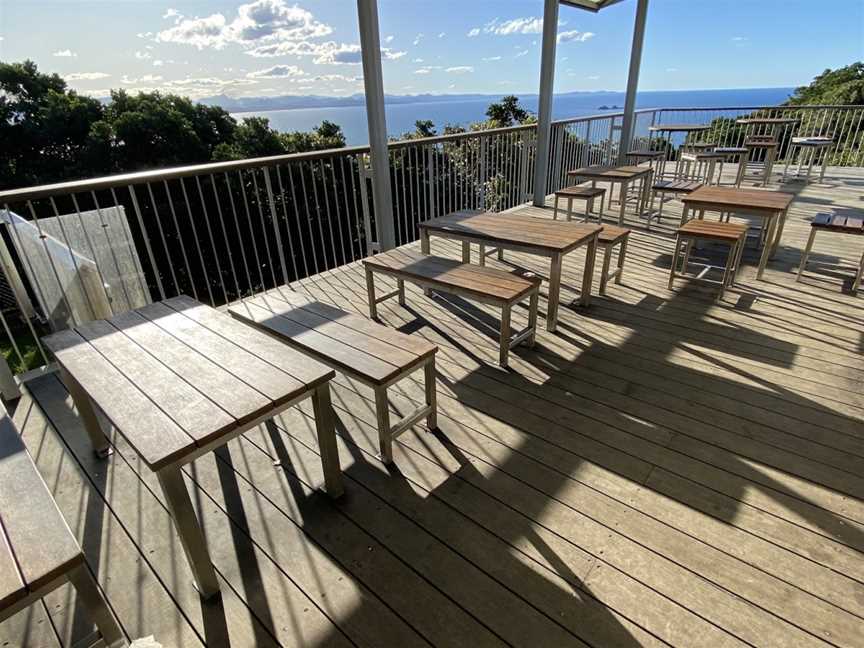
{"x":305,"y":113}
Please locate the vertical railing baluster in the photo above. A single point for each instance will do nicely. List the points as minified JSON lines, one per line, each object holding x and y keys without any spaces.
{"x":239,"y":235}
{"x":297,"y":220}
{"x":197,"y":242}
{"x":263,"y":226}
{"x":146,"y":237}
{"x":274,"y":219}
{"x":228,"y":245}
{"x":212,"y":239}
{"x":285,"y":218}
{"x":180,"y":240}
{"x":162,"y":236}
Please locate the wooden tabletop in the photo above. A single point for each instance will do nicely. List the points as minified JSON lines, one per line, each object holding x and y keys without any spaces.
{"x":732,"y":198}
{"x":176,"y":375}
{"x":540,"y":234}
{"x":683,"y":128}
{"x":600,"y":172}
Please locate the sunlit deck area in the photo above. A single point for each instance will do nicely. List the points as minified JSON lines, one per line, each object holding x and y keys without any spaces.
{"x":664,"y":469}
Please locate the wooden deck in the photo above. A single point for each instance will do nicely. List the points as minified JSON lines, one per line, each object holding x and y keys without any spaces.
{"x":662,"y":470}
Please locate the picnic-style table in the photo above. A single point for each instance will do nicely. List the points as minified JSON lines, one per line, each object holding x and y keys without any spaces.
{"x":538,"y":236}
{"x":769,"y":205}
{"x":177,"y":379}
{"x":623,"y":175}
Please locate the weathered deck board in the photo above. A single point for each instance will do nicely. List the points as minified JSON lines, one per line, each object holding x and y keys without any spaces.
{"x":664,"y":470}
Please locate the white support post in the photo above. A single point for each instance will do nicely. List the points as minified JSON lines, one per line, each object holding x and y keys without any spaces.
{"x":633,"y":79}
{"x":373,"y":82}
{"x":544,"y":112}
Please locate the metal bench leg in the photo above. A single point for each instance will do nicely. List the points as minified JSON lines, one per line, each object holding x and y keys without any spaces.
{"x":533,"y":304}
{"x":505,"y":335}
{"x":674,"y":264}
{"x":382,"y":413}
{"x":430,"y":375}
{"x":806,"y":254}
{"x":370,"y":294}
{"x":96,"y":607}
{"x":191,"y":536}
{"x":87,"y":412}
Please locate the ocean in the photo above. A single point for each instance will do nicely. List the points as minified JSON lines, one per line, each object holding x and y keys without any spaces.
{"x":401,"y":117}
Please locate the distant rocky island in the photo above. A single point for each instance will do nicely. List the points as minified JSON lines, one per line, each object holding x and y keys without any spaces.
{"x":605,"y":107}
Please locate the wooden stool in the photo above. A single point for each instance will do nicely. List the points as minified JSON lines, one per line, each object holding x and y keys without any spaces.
{"x":840,"y":225}
{"x":677,"y":187}
{"x":702,"y":164}
{"x":733,"y":154}
{"x":732,"y":234}
{"x":581,"y":192}
{"x":761,"y":143}
{"x":655,"y":159}
{"x":610,"y":236}
{"x":812,"y":145}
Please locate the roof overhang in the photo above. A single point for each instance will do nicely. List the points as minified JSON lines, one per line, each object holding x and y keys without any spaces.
{"x":590,"y":5}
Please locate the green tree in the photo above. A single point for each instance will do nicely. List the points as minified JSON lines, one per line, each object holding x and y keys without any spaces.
{"x":844,"y":86}
{"x":507,"y":112}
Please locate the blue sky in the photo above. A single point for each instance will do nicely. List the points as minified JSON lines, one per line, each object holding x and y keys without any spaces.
{"x":273,"y":47}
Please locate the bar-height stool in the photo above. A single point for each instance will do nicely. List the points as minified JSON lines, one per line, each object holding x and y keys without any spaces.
{"x":839,"y":225}
{"x":699,"y":166}
{"x":675,"y":187}
{"x":733,"y":155}
{"x":814,"y":146}
{"x":655,"y":159}
{"x":732,"y":234}
{"x":765,"y":145}
{"x":580,"y":192}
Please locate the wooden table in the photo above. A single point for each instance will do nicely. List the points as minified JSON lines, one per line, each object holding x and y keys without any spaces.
{"x":669,"y":129}
{"x":539,"y":236}
{"x":623,"y":175}
{"x":770,"y":205}
{"x":774,"y":122}
{"x":177,"y":379}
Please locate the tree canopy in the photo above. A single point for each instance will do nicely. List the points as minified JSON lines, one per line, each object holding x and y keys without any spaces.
{"x":844,"y":86}
{"x":51,"y":133}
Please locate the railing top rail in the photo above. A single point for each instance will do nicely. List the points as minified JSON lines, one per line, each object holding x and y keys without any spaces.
{"x":156,"y":175}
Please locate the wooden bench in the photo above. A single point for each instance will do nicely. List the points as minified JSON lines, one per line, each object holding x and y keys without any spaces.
{"x":732,"y":234}
{"x":580,"y":192}
{"x":676,"y":187}
{"x":375,"y":355}
{"x":486,"y":285}
{"x":38,"y":552}
{"x":839,"y":225}
{"x":610,"y":237}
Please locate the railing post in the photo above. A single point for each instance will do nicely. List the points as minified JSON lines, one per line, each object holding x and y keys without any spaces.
{"x":373,"y":81}
{"x":544,"y":112}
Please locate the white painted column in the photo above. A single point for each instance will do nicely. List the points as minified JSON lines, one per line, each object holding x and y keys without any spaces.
{"x":544,"y":111}
{"x":373,"y":82}
{"x":633,"y":79}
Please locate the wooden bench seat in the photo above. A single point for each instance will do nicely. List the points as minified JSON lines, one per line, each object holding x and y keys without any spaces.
{"x":839,"y":224}
{"x":676,"y":187}
{"x":486,"y":285}
{"x":375,"y":355}
{"x":732,"y":234}
{"x":580,"y":192}
{"x":38,"y":552}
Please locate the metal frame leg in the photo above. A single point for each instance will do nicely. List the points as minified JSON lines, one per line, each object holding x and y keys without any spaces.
{"x":325,"y":430}
{"x":532,"y":315}
{"x":675,"y":254}
{"x":87,"y":412}
{"x":588,"y":272}
{"x":554,"y":212}
{"x":604,"y":274}
{"x":622,"y":195}
{"x":622,"y":253}
{"x":90,"y":597}
{"x":766,"y":249}
{"x":505,"y":336}
{"x":806,"y":254}
{"x":188,"y":528}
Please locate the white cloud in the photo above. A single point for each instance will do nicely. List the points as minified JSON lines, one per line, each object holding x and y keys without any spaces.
{"x":158,"y":63}
{"x":258,"y":22}
{"x":338,"y":77}
{"x":460,"y":69}
{"x":147,"y":78}
{"x":492,"y":58}
{"x":474,"y":32}
{"x":389,"y":55}
{"x":388,"y":39}
{"x":442,"y":34}
{"x":276,"y":72}
{"x":417,"y":60}
{"x":86,"y":76}
{"x":328,"y":53}
{"x":671,"y":69}
{"x":521,"y":54}
{"x":527,"y":25}
{"x":451,"y":86}
{"x":172,"y":13}
{"x":593,"y":77}
{"x":422,"y":71}
{"x":64,"y":54}
{"x":574,"y":36}
{"x":144,"y":34}
{"x":739,"y":39}
{"x":417,"y":39}
{"x":143,"y":56}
